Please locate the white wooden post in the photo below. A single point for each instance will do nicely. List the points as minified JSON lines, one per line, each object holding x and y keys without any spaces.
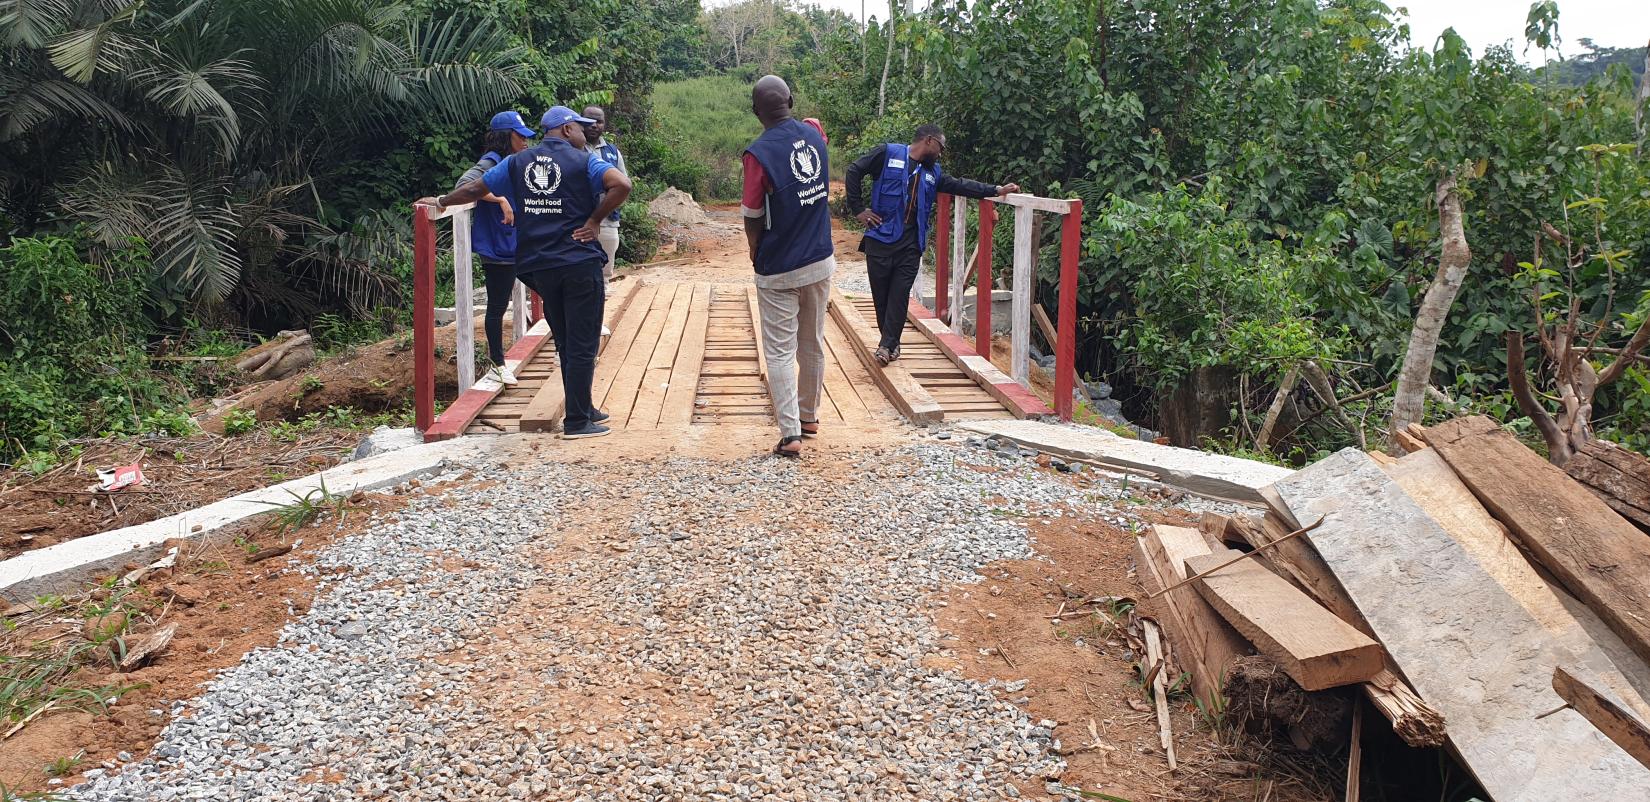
{"x":1020,"y":342}
{"x":518,"y":311}
{"x":464,"y":301}
{"x":959,"y":251}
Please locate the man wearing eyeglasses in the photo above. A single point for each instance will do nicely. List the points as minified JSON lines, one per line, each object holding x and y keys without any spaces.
{"x":905,"y":180}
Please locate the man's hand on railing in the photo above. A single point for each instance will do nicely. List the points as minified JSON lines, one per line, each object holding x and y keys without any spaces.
{"x":1007,"y":189}
{"x":428,"y":200}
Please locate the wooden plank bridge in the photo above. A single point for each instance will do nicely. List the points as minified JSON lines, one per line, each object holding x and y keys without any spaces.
{"x":686,"y":354}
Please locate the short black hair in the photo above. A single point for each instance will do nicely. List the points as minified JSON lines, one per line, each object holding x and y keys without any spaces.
{"x":927,"y":130}
{"x":497,"y":142}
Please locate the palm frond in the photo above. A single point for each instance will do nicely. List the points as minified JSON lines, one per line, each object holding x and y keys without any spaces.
{"x":103,"y":47}
{"x":31,"y":23}
{"x":190,"y":89}
{"x":26,"y":103}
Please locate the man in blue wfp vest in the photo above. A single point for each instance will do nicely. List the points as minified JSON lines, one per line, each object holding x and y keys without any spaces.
{"x":905,"y":180}
{"x":554,"y":188}
{"x":788,"y":228}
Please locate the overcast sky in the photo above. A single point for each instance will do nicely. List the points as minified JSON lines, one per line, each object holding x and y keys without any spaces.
{"x":1612,"y":23}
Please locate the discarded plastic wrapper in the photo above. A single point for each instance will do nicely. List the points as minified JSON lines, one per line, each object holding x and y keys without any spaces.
{"x":113,"y":479}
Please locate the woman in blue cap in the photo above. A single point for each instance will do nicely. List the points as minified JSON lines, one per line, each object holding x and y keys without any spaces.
{"x":493,"y":237}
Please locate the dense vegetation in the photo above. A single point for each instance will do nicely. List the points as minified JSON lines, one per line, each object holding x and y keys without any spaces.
{"x":1260,"y":182}
{"x":1263,"y":179}
{"x":227,"y":169}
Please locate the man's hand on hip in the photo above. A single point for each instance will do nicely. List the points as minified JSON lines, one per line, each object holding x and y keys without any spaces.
{"x":587,"y":232}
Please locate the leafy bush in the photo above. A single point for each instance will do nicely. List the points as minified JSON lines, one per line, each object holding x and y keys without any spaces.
{"x":638,"y":233}
{"x":1205,"y":293}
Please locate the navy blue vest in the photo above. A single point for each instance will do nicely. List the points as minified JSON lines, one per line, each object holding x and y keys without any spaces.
{"x":553,"y":196}
{"x":609,"y":153}
{"x":492,"y":240}
{"x":889,"y":196}
{"x":798,"y":231}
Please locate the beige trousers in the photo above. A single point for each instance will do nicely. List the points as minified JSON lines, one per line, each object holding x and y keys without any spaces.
{"x":608,"y":236}
{"x":793,"y":338}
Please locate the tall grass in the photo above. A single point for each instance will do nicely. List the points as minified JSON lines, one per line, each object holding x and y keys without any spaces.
{"x":710,"y":117}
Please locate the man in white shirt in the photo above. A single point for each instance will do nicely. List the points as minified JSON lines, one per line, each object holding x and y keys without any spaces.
{"x":608,"y":152}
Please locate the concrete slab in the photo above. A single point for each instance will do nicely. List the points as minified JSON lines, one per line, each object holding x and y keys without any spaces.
{"x":1211,"y":475}
{"x":66,"y":566}
{"x":1471,"y":650}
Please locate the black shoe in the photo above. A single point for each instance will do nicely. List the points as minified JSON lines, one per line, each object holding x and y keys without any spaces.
{"x":588,"y":430}
{"x":598,"y":416}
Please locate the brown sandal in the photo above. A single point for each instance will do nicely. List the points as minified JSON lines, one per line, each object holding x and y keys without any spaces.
{"x":807,"y":432}
{"x":782,"y":451}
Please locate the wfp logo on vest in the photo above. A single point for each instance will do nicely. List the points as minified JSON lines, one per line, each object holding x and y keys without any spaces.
{"x":543,"y":176}
{"x":805,"y":162}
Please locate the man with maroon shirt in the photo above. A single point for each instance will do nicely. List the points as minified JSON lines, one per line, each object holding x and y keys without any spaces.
{"x":786,"y":206}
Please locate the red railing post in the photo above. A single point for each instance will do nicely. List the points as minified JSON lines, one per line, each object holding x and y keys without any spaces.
{"x":1065,"y":347}
{"x":537,"y":306}
{"x":423,"y":319}
{"x":982,"y":282}
{"x":942,"y":257}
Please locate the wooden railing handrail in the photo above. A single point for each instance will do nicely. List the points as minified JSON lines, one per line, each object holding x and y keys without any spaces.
{"x":948,"y":291}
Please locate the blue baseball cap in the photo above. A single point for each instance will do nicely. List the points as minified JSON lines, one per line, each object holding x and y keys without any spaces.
{"x":511,"y":121}
{"x":559,"y":116}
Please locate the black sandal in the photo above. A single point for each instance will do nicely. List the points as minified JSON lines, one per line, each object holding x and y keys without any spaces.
{"x":780,"y":449}
{"x":883,"y":357}
{"x":806,"y":424}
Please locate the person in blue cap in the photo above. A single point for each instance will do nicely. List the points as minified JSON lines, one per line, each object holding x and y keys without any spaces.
{"x":905,"y":180}
{"x":560,"y":195}
{"x":493,"y":238}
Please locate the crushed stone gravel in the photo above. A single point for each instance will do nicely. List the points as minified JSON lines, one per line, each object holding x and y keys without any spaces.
{"x":678,"y":630}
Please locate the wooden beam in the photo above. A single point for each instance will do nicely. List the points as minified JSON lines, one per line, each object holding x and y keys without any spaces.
{"x":1620,"y":726}
{"x":457,"y":418}
{"x":1308,"y":642}
{"x":1468,"y":647}
{"x":1032,"y":202}
{"x":1619,"y":477}
{"x":756,"y":326}
{"x":1594,"y":552}
{"x":1011,"y":394}
{"x":902,"y":390}
{"x":1205,"y":644}
{"x":690,"y":361}
{"x":1019,"y":352}
{"x":1416,"y":722}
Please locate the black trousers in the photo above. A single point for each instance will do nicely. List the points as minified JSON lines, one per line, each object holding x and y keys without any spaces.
{"x":501,"y":281}
{"x":574,"y":298}
{"x":892,"y":270}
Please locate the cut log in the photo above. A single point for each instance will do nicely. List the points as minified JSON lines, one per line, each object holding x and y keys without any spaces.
{"x":1314,"y":647}
{"x":1594,"y":552}
{"x":1619,"y":477}
{"x":1470,"y":648}
{"x":1617,"y":724}
{"x":285,"y":354}
{"x":1204,"y":644}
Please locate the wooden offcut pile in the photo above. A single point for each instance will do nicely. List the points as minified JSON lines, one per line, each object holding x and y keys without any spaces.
{"x":1455,"y":587}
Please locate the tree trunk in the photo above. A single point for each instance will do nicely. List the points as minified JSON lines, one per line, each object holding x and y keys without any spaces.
{"x":1416,"y":374}
{"x":1643,"y":101}
{"x":887,"y":60}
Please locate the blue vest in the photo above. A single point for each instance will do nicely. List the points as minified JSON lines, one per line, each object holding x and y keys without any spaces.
{"x":888,"y":197}
{"x":608,"y":152}
{"x":490,"y":238}
{"x":553,"y":196}
{"x":798,"y":230}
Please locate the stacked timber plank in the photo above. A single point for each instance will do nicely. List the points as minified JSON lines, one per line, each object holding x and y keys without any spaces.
{"x":1463,"y":587}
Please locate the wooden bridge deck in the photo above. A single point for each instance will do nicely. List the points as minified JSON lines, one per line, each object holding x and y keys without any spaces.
{"x":685,"y":353}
